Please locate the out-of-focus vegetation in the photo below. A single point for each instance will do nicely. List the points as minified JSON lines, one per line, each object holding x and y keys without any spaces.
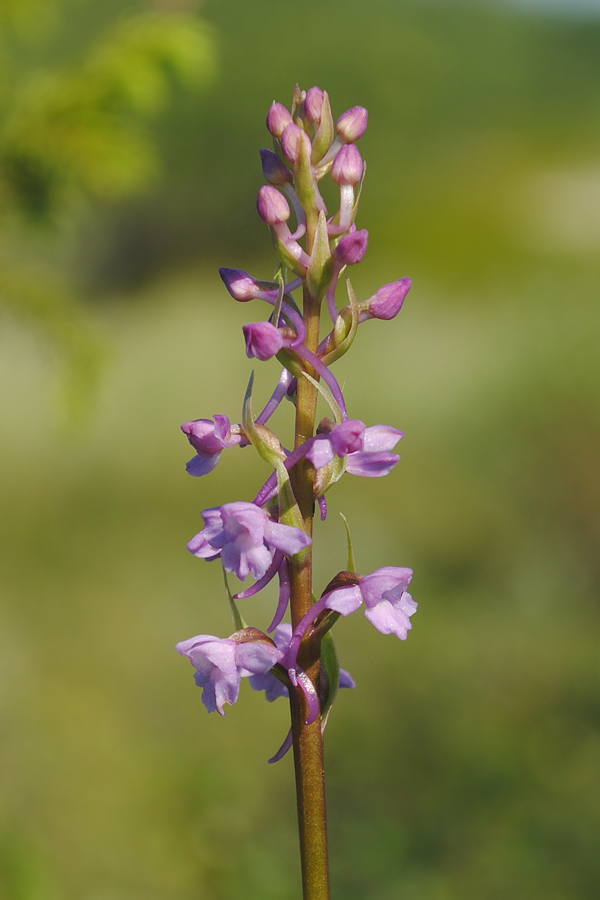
{"x":465,"y":765}
{"x":76,"y":87}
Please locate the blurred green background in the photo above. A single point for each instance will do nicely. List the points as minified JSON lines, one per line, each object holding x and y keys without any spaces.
{"x":465,"y":766}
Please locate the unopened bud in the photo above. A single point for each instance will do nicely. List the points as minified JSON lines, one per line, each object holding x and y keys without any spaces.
{"x":278,"y":119}
{"x":272,"y":206}
{"x":263,"y":340}
{"x":352,"y":248}
{"x":274,"y":170}
{"x":352,"y":124}
{"x":387,"y":302}
{"x":347,"y":166}
{"x":290,"y":142}
{"x":240,"y":284}
{"x":313,"y":104}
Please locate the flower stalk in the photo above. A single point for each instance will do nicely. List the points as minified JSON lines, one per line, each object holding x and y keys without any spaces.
{"x":272,"y":537}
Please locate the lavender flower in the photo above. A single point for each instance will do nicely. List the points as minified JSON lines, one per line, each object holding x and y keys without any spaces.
{"x":340,"y":441}
{"x":389,"y":606}
{"x":374,"y":460}
{"x":208,"y":440}
{"x":221,"y":663}
{"x":245,"y":538}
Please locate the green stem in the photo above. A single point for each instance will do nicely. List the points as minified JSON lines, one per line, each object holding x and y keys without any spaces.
{"x":308,"y":739}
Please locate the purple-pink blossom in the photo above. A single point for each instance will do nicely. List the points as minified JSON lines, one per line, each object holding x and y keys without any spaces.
{"x":221,"y":663}
{"x":374,"y":459}
{"x":384,"y":592}
{"x":245,"y":538}
{"x":340,"y":441}
{"x":389,"y":606}
{"x":208,"y":439}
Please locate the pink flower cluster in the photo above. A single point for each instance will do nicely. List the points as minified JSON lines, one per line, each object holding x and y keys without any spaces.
{"x":264,"y":538}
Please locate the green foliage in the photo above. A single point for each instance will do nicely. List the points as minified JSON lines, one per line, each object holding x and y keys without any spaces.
{"x":71,"y":132}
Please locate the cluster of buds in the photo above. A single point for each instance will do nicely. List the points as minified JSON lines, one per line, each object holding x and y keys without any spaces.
{"x":266,"y":537}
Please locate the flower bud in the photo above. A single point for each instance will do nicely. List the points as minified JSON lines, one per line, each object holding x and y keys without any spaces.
{"x":263,"y":340}
{"x":274,"y":170}
{"x":313,"y":104}
{"x":272,"y":206}
{"x":352,"y":124}
{"x":352,"y":248}
{"x":387,"y":302}
{"x":240,"y":284}
{"x":278,"y":119}
{"x":290,"y":142}
{"x":347,"y":166}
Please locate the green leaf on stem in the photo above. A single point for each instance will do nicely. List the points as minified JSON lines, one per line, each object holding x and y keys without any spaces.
{"x":238,"y":621}
{"x":331,"y":666}
{"x":325,"y":392}
{"x":319,"y":271}
{"x":325,"y":133}
{"x":351,"y":567}
{"x":287,"y":257}
{"x":344,"y":328}
{"x":261,"y":437}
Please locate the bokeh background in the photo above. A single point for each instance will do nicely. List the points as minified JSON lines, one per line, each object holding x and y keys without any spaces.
{"x":465,"y":766}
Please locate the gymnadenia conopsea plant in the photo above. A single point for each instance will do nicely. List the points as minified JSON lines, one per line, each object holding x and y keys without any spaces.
{"x":271,"y":536}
